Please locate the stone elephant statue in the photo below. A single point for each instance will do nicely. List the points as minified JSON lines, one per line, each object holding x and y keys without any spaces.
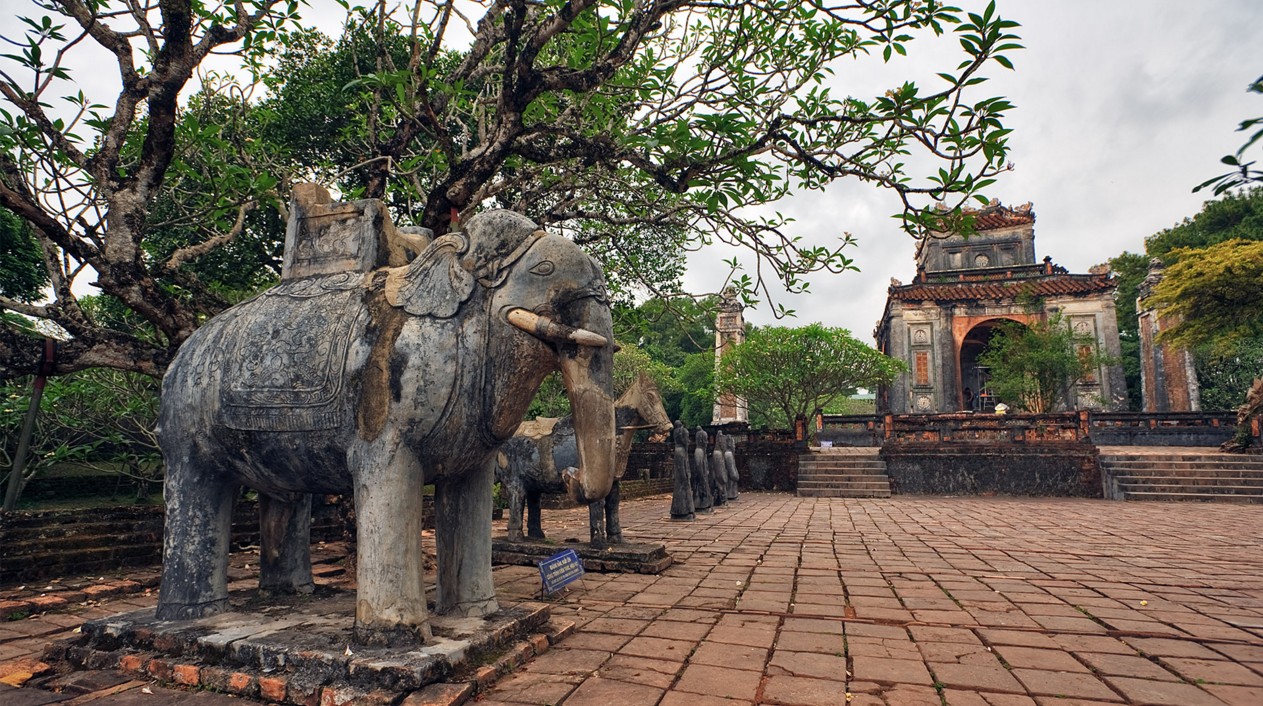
{"x":534,"y":460}
{"x":376,"y":383}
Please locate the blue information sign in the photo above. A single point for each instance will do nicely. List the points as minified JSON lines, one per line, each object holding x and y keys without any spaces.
{"x":560,"y":569}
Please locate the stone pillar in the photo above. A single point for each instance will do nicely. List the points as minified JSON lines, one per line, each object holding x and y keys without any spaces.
{"x":730,"y":330}
{"x":1168,"y":378}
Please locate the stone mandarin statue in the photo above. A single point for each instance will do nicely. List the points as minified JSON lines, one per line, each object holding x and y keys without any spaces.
{"x":682,"y":491}
{"x":730,"y":463}
{"x":719,"y":471}
{"x":702,"y":499}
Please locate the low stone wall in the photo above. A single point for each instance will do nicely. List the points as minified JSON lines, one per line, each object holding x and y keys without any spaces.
{"x":849,"y":430}
{"x":1161,"y":428}
{"x":88,"y":485}
{"x":1031,"y":469}
{"x":769,"y":464}
{"x":45,"y":544}
{"x":1100,"y":428}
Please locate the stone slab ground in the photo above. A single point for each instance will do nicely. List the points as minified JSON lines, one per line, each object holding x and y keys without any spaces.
{"x":792,"y":601}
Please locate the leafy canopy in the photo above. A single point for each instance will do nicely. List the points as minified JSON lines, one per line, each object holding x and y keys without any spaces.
{"x":1129,"y":270}
{"x":642,"y":129}
{"x":1238,"y":215}
{"x":1212,"y":293}
{"x":783,"y":373}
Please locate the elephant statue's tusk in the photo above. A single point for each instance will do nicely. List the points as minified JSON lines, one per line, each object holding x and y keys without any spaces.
{"x":550,"y":330}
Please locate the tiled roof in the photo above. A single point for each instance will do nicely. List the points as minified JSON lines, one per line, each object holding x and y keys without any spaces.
{"x":1001,"y":218}
{"x":1054,"y":285}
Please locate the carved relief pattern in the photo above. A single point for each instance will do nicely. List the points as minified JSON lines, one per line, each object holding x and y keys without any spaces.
{"x":310,"y":247}
{"x":284,"y":360}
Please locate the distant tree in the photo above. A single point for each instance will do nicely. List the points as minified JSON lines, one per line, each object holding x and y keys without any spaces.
{"x":1129,"y":270}
{"x":1243,"y":173}
{"x":695,"y":404}
{"x":1226,"y":371}
{"x":1033,"y":367}
{"x":668,"y":329}
{"x":1212,"y":294}
{"x":783,"y":372}
{"x":1234,"y":216}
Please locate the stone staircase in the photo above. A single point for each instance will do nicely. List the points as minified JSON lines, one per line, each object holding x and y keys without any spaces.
{"x":843,"y":472}
{"x":1180,"y":473}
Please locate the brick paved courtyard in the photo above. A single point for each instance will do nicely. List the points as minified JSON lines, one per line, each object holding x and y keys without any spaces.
{"x":963,"y":601}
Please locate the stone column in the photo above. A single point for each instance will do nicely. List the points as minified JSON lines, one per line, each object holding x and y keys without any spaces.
{"x":1168,"y":378}
{"x":730,"y":330}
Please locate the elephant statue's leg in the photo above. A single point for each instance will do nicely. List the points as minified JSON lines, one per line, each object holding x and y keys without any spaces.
{"x":517,"y":504}
{"x":613,"y":524}
{"x":534,"y":526}
{"x":462,"y":506}
{"x":390,"y":592}
{"x":596,"y":524}
{"x":195,"y":543}
{"x":285,"y":543}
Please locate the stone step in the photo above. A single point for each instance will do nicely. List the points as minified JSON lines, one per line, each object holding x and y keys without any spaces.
{"x":1203,"y":497}
{"x":1225,"y":459}
{"x":1205,"y":488}
{"x":1182,"y":471}
{"x":883,"y":483}
{"x":841,"y":472}
{"x":1182,"y":462}
{"x":833,"y":464}
{"x":840,"y":493}
{"x":1200,"y":479}
{"x":841,"y":463}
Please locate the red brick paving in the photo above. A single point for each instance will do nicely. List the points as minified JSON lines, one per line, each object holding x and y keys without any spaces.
{"x":779,"y":600}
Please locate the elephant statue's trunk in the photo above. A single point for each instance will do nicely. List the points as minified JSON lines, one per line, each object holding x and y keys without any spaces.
{"x":586,"y":374}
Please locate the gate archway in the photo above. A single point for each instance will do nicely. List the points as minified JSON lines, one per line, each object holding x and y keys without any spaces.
{"x":975,"y":379}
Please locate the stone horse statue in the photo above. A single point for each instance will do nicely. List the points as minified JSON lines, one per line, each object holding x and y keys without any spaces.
{"x":533,"y":462}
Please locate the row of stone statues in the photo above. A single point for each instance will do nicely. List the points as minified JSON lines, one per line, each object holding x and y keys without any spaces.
{"x":710,"y":480}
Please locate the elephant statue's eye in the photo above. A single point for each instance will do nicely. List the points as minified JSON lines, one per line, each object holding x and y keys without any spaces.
{"x":544,"y":268}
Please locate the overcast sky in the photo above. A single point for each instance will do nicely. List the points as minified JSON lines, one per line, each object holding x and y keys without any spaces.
{"x":1122,"y":107}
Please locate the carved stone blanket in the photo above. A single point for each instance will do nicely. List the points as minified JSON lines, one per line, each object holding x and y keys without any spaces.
{"x":283,"y":355}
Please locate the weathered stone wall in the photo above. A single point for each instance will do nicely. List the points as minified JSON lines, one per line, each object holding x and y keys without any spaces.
{"x":769,"y":464}
{"x":44,"y":544}
{"x":1031,"y":468}
{"x":92,"y":485}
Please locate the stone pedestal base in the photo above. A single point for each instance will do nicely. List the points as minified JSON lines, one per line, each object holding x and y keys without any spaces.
{"x":289,"y":650}
{"x":626,"y":558}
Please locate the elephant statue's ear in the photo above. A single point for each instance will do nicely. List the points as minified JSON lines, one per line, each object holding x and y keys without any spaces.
{"x":436,"y":283}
